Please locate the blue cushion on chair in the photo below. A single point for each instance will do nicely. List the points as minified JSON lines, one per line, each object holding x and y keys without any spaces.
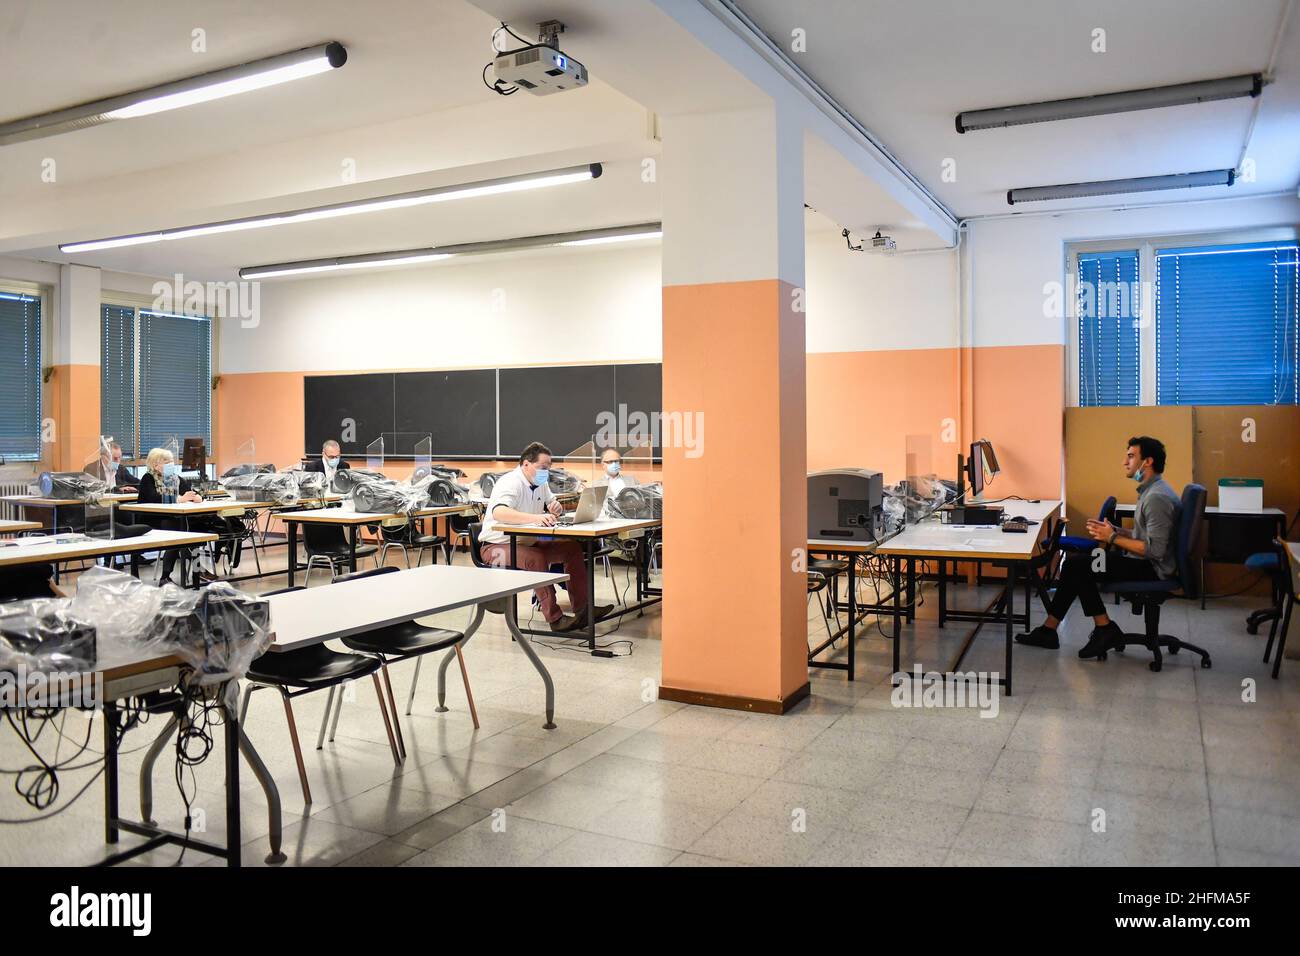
{"x":1073,"y":542}
{"x":1263,"y":561}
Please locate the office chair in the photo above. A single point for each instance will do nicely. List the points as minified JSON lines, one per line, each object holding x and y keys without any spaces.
{"x":1045,"y":566}
{"x":403,"y":533}
{"x":1291,"y":584}
{"x":1078,"y":543}
{"x":305,"y":670}
{"x":458,"y":533}
{"x":401,"y":642}
{"x":830,"y":569}
{"x":1272,"y":564}
{"x":819,"y":582}
{"x":1147,"y":596}
{"x":327,"y":545}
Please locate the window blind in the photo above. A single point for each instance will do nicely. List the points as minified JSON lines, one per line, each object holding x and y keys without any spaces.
{"x":175,"y":378}
{"x":20,"y":376}
{"x":117,"y":375}
{"x":1226,"y":325}
{"x":1107,"y":305}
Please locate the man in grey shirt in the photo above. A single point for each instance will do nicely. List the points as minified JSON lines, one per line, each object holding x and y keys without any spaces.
{"x":1147,"y":553}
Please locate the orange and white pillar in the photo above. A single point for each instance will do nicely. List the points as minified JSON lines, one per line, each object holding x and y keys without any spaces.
{"x":735,"y":613}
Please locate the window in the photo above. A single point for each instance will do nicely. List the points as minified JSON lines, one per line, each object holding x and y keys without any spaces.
{"x":117,"y":376}
{"x":175,"y":398}
{"x":1187,"y":322}
{"x":1107,"y":309}
{"x":1226,"y":325}
{"x":20,"y":376}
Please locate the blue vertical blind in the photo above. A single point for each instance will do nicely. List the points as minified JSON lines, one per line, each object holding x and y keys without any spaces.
{"x":117,"y":375}
{"x":20,"y":376}
{"x":1107,"y":306}
{"x":1226,"y":326}
{"x":175,"y":378}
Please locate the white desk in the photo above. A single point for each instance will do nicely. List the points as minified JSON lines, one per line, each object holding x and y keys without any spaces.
{"x":36,"y":550}
{"x":10,"y":526}
{"x":310,"y":616}
{"x":930,"y":539}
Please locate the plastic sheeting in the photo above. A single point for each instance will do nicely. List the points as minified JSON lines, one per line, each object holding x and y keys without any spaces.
{"x":247,"y":469}
{"x":637,"y":502}
{"x":70,"y":486}
{"x":441,"y":492}
{"x":487,"y":481}
{"x":216,"y":630}
{"x":386,"y":496}
{"x":280,"y":487}
{"x":563,"y":482}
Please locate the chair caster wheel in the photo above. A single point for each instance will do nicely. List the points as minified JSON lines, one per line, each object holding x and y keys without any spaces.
{"x":1174,"y":650}
{"x":1252,"y":628}
{"x":1154,"y":665}
{"x":1206,"y":663}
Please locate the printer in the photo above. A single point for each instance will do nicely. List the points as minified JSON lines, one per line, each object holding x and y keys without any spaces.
{"x":845,"y":503}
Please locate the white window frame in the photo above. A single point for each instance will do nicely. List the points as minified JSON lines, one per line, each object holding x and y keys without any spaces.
{"x":1146,"y":247}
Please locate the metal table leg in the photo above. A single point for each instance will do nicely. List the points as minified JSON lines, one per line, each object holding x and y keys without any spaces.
{"x":512,"y":623}
{"x":450,"y":656}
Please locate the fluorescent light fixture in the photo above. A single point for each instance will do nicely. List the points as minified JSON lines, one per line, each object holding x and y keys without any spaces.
{"x":255,"y":75}
{"x":1154,"y":97}
{"x":622,"y":237}
{"x":1113,"y":187}
{"x":488,"y":187}
{"x":645,"y":230}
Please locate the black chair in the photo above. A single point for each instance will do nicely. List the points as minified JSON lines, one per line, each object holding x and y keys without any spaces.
{"x":1273,"y":565}
{"x":1291,"y":585}
{"x":405,"y":535}
{"x":306,"y":670}
{"x":1146,"y":597}
{"x":326,"y":544}
{"x":404,"y":641}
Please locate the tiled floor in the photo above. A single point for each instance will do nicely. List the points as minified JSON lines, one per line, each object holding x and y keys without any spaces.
{"x":1088,"y":763}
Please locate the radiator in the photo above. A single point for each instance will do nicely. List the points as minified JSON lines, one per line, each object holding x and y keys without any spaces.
{"x":9,"y":509}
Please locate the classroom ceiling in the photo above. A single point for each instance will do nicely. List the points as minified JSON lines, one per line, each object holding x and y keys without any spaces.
{"x":409,"y":110}
{"x":904,"y":70}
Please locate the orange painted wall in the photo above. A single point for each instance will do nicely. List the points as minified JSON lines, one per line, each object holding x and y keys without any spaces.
{"x":734,"y":352}
{"x":72,"y":403}
{"x":1019,"y":398}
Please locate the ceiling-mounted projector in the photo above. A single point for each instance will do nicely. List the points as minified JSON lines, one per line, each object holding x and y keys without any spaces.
{"x":541,"y":68}
{"x":878,"y":242}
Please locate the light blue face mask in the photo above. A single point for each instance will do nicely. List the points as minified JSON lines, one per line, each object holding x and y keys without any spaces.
{"x":542,"y":477}
{"x":172,"y":470}
{"x":1137,"y":475}
{"x":332,"y":462}
{"x":110,"y":467}
{"x":613,"y":468}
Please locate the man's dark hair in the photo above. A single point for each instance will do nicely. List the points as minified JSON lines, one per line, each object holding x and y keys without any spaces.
{"x":1152,"y":448}
{"x":534,"y":451}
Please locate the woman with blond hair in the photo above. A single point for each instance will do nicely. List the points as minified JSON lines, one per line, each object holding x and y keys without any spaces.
{"x":160,"y":466}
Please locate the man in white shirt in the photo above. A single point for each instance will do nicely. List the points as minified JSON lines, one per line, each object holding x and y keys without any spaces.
{"x":523,"y":497}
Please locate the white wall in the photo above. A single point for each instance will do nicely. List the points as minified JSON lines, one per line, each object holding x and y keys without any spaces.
{"x":1012,"y":259}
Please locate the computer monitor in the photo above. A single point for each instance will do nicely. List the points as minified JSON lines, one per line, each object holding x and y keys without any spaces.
{"x":194,"y":457}
{"x":983,"y":466}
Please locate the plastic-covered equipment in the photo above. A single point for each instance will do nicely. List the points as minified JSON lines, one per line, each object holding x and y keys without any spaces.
{"x":71,"y":486}
{"x":637,"y":502}
{"x":247,"y":469}
{"x":487,"y":481}
{"x":386,"y":496}
{"x":347,"y":480}
{"x":563,"y":482}
{"x":448,"y":471}
{"x":278,"y":486}
{"x":217,"y":631}
{"x":311,"y":484}
{"x":441,"y":492}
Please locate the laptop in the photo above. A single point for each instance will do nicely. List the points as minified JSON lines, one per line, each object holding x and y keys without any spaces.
{"x":590,"y":505}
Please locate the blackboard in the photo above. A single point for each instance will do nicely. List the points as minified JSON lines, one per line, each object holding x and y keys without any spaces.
{"x":475,"y":413}
{"x":459,"y":408}
{"x":351,"y":409}
{"x":555,"y":405}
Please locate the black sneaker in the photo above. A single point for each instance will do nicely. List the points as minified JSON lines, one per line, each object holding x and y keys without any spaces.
{"x":1101,"y":640}
{"x":1041,"y":636}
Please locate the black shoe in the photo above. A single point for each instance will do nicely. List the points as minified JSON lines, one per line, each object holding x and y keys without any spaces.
{"x":1101,"y":640}
{"x":600,"y":609}
{"x":1041,"y":636}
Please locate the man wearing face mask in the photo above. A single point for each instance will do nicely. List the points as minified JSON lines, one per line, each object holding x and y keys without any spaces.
{"x":108,"y":468}
{"x":330,"y":464}
{"x":614,"y":477}
{"x":524,"y":497}
{"x":1144,"y":554}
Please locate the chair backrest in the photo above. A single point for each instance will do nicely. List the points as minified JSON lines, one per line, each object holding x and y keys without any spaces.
{"x":1107,"y":512}
{"x":367,"y":573}
{"x":323,"y":537}
{"x":1190,"y":521}
{"x":475,"y":551}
